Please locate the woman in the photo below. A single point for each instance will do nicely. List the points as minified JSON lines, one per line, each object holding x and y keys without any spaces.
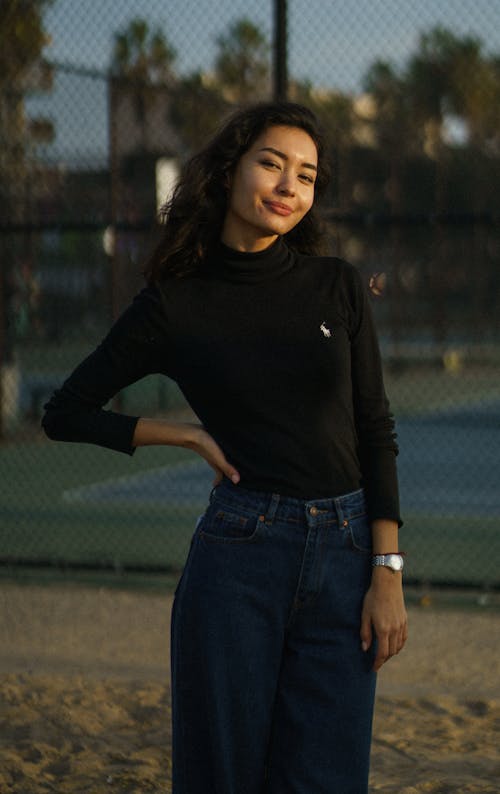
{"x":291,"y":597}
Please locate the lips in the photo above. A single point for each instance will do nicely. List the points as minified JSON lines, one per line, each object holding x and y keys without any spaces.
{"x":278,"y":208}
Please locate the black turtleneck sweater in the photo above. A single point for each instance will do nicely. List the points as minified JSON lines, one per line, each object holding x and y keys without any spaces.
{"x":277,"y":355}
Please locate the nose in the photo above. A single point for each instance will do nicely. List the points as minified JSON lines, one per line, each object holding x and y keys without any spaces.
{"x":286,"y":185}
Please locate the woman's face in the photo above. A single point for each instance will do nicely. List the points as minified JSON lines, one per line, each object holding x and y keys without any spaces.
{"x":271,"y":189}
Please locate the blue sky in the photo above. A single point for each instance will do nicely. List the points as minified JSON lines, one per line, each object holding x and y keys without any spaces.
{"x":331,"y":42}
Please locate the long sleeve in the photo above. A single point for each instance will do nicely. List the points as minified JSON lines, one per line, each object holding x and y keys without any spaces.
{"x":374,"y":422}
{"x":134,"y":347}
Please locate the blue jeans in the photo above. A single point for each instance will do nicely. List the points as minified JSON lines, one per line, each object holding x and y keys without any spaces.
{"x":272,"y":693}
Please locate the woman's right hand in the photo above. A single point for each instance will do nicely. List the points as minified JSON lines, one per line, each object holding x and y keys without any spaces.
{"x":189,"y":435}
{"x":203,"y":444}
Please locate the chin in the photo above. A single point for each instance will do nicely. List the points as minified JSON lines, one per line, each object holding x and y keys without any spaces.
{"x":278,"y":228}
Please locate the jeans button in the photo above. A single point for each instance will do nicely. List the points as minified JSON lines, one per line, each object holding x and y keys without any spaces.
{"x":313,"y":510}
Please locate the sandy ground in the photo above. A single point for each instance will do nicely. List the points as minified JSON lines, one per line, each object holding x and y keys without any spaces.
{"x":85,"y":700}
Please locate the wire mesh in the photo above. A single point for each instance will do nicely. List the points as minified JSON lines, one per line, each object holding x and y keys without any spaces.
{"x":99,"y":103}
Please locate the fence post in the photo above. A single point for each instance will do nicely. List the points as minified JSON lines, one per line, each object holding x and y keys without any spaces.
{"x":3,"y":345}
{"x":280,"y":72}
{"x":114,"y":270}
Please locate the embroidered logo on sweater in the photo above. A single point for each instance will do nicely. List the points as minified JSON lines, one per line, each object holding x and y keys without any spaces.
{"x":325,"y":331}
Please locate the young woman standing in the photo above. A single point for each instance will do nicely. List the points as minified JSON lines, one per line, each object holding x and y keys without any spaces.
{"x":291,"y":597}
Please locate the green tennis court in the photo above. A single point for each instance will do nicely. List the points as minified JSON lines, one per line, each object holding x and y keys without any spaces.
{"x":79,"y":505}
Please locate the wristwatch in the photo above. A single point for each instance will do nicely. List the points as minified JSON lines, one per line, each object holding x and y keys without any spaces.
{"x":392,"y":561}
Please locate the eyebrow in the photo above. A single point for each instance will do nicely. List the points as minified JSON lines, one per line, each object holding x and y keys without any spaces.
{"x":284,"y":156}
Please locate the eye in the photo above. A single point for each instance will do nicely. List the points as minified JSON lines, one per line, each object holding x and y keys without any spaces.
{"x":269,"y":164}
{"x":307,"y":178}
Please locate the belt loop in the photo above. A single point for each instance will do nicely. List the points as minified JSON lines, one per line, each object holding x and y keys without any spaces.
{"x":272,"y":508}
{"x":338,"y":509}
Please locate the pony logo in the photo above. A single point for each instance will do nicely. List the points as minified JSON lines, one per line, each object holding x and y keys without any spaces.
{"x":325,"y":331}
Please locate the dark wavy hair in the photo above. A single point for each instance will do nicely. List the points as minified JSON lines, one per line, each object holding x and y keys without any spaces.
{"x":194,"y":216}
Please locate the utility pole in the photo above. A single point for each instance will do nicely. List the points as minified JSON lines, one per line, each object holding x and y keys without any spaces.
{"x":280,"y":70}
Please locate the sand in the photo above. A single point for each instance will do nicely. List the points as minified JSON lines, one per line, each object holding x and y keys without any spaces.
{"x":85,"y":699}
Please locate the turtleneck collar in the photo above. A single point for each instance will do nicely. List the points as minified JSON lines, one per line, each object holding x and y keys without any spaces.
{"x":251,"y":268}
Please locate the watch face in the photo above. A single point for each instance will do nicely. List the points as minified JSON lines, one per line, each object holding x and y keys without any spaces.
{"x":395,"y":561}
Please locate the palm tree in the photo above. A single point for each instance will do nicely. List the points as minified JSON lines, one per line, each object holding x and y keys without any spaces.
{"x":142,"y":62}
{"x":395,"y":132}
{"x":335,"y":111}
{"x":242,"y":64}
{"x":196,"y":107}
{"x":22,"y":38}
{"x":450,"y":77}
{"x":143,"y":55}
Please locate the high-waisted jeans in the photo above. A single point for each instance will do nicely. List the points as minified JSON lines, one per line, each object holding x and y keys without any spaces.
{"x":272,"y":693}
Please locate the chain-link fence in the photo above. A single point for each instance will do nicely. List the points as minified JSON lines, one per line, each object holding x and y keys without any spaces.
{"x":100,"y":102}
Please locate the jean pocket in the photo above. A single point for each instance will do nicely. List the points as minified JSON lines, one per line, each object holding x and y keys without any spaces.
{"x":360,"y":533}
{"x":224,"y":526}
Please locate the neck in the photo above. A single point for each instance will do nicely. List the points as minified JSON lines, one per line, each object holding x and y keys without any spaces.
{"x":232,"y":264}
{"x":249,"y":243}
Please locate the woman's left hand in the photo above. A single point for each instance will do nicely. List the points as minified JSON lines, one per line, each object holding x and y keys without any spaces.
{"x":384,"y":613}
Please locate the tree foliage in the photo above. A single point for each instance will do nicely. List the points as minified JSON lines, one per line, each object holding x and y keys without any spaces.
{"x":448,"y":76}
{"x":22,"y":37}
{"x":443,"y":102}
{"x":388,"y":144}
{"x":242,"y":63}
{"x":197,"y":106}
{"x":142,"y":54}
{"x":22,"y":71}
{"x":142,"y":66}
